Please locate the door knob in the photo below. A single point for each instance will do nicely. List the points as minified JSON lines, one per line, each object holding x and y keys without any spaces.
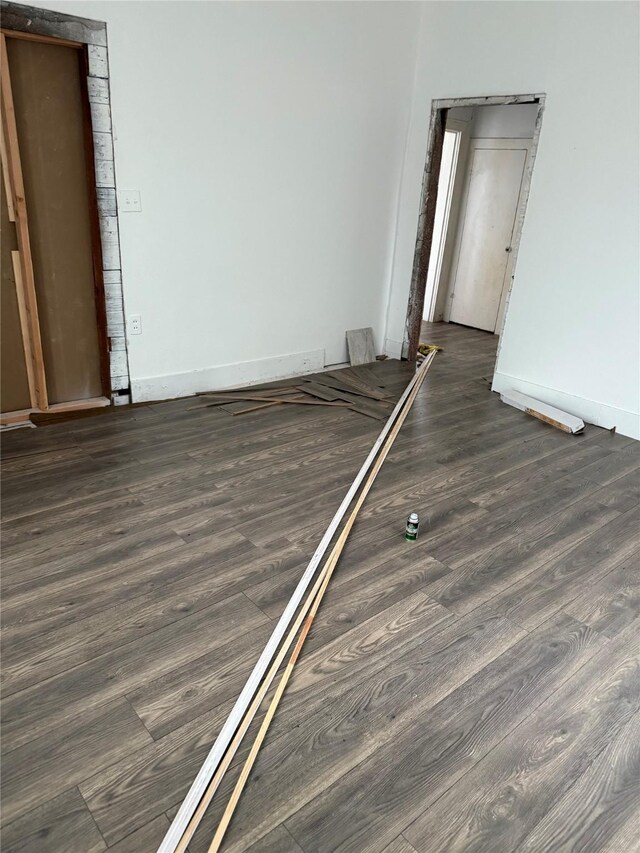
{"x":508,"y":249}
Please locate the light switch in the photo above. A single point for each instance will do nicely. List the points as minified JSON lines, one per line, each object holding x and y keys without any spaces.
{"x":129,"y":201}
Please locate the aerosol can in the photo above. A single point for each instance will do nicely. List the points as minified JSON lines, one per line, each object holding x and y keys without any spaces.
{"x":411,"y":530}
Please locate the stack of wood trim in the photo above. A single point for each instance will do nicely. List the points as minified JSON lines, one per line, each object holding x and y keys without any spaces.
{"x":355,"y":388}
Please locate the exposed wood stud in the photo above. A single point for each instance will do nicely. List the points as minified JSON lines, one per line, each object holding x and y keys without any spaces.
{"x":25,"y":279}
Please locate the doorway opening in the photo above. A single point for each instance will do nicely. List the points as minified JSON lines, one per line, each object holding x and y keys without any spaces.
{"x":475,"y":189}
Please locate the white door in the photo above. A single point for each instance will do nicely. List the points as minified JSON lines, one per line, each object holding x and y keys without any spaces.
{"x":481,"y":267}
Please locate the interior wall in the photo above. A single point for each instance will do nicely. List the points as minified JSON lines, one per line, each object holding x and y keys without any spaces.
{"x":266,"y":140}
{"x":572,"y":326}
{"x":512,"y":121}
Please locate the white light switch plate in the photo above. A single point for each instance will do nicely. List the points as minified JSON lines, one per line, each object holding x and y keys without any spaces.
{"x":129,"y":201}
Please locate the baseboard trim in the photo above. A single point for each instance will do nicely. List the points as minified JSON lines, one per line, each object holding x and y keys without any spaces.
{"x":392,"y":348}
{"x":225,"y":376}
{"x":591,"y":411}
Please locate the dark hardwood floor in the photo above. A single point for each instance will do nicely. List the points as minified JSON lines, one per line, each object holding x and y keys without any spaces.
{"x":477,"y":690}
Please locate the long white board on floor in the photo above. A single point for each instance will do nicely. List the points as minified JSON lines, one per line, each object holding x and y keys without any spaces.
{"x":542,"y":411}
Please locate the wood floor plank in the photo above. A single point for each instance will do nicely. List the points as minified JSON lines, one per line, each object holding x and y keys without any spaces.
{"x":143,"y":840}
{"x":600,"y":812}
{"x":36,"y":657}
{"x":534,"y":598}
{"x":277,"y":841}
{"x":37,"y":710}
{"x":399,"y":845}
{"x":482,"y":576}
{"x":366,"y":808}
{"x":304,"y":758}
{"x":612,"y":603}
{"x":94,"y":739}
{"x":61,"y":824}
{"x":499,"y":802}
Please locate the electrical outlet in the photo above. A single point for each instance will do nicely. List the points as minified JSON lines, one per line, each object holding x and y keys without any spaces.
{"x":135,"y":324}
{"x":129,"y":201}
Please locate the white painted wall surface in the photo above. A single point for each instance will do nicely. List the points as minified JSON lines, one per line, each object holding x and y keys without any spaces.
{"x":572,"y":329}
{"x":513,"y":121}
{"x":267,"y":142}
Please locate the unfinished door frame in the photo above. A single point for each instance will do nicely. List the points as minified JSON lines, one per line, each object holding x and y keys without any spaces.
{"x":90,"y":37}
{"x":424,"y":236}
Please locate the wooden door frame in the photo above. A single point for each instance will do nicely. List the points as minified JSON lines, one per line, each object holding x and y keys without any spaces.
{"x":431,"y":174}
{"x":90,"y":38}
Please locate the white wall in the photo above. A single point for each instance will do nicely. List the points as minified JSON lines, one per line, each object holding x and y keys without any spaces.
{"x":267,"y":142}
{"x":572,"y":328}
{"x":515,"y":121}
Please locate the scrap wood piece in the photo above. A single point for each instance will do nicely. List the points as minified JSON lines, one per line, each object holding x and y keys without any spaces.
{"x":306,"y":614}
{"x":360,"y":346}
{"x":215,"y":756}
{"x":316,"y":389}
{"x":544,"y":412}
{"x":371,"y":408}
{"x":243,"y":407}
{"x":369,"y":377}
{"x":272,"y":399}
{"x":342,"y":380}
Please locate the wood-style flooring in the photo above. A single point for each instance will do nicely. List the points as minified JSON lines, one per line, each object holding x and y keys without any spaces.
{"x":477,"y":690}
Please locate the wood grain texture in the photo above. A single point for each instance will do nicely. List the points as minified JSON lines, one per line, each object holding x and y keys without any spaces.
{"x":601,"y":811}
{"x":146,"y":552}
{"x":61,"y":824}
{"x":496,"y":804}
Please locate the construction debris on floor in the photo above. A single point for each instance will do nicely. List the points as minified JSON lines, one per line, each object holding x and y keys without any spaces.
{"x":357,"y":388}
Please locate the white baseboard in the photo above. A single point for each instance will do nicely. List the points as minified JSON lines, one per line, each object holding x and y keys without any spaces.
{"x":225,"y":376}
{"x":600,"y":414}
{"x":393,"y":348}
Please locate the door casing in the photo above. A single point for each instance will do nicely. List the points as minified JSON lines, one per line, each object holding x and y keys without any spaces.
{"x":424,"y":235}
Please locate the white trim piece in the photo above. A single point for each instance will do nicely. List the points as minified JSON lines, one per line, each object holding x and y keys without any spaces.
{"x":225,"y":376}
{"x":549,"y":414}
{"x":591,"y":411}
{"x":200,"y":783}
{"x":393,"y":348}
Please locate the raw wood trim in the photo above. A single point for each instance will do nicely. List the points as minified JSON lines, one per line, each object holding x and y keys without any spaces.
{"x":16,"y":34}
{"x":26,"y":278}
{"x":78,"y":405}
{"x":24,"y":325}
{"x":18,"y":417}
{"x":6,"y":179}
{"x":55,"y":408}
{"x":217,"y":751}
{"x":310,"y":607}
